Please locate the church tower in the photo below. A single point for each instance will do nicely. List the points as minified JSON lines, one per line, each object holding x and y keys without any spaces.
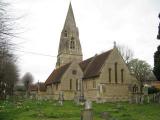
{"x":69,"y":46}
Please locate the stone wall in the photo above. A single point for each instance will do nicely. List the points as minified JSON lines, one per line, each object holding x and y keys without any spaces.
{"x":110,"y":90}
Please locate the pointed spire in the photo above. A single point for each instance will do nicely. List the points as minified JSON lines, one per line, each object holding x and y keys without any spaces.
{"x":70,"y":20}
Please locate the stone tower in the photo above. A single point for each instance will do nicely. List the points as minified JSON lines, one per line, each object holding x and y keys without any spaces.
{"x":69,"y":46}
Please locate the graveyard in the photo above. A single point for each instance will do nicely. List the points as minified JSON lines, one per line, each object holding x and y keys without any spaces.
{"x":100,"y":79}
{"x":52,"y":110}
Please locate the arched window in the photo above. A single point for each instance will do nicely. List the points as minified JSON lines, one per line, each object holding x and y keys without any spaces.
{"x":72,"y":43}
{"x":65,"y":33}
{"x":70,"y":84}
{"x":77,"y":84}
{"x":56,"y":86}
{"x":135,"y":89}
{"x":109,"y":74}
{"x":122,"y":78}
{"x":94,"y":84}
{"x":115,"y":65}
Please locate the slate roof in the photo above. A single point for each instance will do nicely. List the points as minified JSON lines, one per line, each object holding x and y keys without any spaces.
{"x":92,"y":66}
{"x":42,"y":87}
{"x":56,"y":75}
{"x":34,"y":87}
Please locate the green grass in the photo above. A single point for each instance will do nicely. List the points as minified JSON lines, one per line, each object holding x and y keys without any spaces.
{"x":50,"y":110}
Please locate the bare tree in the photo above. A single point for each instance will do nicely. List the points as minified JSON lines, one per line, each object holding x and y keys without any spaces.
{"x":7,"y":59}
{"x":141,"y":70}
{"x":126,"y":53}
{"x":27,"y":80}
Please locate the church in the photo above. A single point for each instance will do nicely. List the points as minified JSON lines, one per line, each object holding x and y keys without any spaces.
{"x":102,"y":77}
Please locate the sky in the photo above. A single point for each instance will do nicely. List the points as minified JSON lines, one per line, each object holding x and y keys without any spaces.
{"x":131,"y":23}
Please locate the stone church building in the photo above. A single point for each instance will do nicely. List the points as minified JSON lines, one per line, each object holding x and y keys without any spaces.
{"x":104,"y":76}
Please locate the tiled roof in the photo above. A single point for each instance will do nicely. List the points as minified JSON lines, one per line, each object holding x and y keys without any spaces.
{"x":84,"y":63}
{"x":56,"y":75}
{"x":92,"y":66}
{"x":42,"y":87}
{"x":33,"y":87}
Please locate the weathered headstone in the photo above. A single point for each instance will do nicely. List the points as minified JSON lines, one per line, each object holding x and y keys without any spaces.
{"x":148,"y":99}
{"x":131,"y":99}
{"x":142,"y":99}
{"x":145,"y":90}
{"x":154,"y":97}
{"x":87,"y":113}
{"x":137,"y":99}
{"x":61,"y":98}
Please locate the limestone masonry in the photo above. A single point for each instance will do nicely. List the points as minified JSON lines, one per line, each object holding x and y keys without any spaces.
{"x":103,"y":77}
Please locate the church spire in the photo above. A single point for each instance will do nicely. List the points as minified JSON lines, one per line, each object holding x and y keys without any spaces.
{"x":70,"y":20}
{"x":69,"y":46}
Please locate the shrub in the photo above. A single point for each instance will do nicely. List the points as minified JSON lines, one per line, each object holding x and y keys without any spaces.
{"x":152,"y":90}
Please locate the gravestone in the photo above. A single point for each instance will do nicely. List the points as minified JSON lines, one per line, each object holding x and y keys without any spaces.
{"x":142,"y":99}
{"x":145,"y":90}
{"x":87,"y":113}
{"x":131,"y":99}
{"x":61,"y":98}
{"x":154,"y":97}
{"x":148,"y":99}
{"x":137,"y":98}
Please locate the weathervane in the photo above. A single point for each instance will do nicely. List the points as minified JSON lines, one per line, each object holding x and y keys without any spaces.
{"x":158,"y":36}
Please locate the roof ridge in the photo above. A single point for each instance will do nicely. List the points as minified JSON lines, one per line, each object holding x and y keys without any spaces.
{"x":51,"y":80}
{"x":94,"y":67}
{"x":106,"y":57}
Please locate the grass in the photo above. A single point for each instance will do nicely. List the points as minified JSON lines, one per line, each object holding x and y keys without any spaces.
{"x":50,"y":110}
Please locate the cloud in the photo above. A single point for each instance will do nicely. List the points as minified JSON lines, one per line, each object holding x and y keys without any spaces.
{"x":129,"y":22}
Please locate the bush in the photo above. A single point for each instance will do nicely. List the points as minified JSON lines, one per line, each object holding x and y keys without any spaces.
{"x":153,"y":90}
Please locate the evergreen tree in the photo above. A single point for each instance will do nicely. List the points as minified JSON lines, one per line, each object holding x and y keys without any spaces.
{"x":158,"y":36}
{"x":156,"y":69}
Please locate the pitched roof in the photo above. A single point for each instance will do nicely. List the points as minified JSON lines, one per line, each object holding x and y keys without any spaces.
{"x":84,"y":63}
{"x":42,"y":87}
{"x":33,"y":87}
{"x":92,"y":66}
{"x":56,"y":75}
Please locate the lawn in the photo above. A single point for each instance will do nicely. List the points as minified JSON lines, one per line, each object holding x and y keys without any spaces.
{"x":50,"y":110}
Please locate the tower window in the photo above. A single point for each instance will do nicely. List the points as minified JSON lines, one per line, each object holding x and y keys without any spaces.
{"x":72,"y":43}
{"x":74,"y":72}
{"x":65,"y":33}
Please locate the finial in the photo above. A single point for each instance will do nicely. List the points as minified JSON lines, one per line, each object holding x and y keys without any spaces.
{"x":114,"y":44}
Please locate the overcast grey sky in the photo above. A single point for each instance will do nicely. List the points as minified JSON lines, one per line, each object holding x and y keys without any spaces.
{"x":133,"y":23}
